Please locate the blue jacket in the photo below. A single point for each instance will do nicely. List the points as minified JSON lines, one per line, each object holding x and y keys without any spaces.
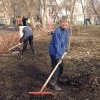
{"x":59,"y":42}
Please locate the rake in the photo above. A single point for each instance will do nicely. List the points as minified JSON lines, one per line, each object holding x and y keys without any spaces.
{"x":41,"y":93}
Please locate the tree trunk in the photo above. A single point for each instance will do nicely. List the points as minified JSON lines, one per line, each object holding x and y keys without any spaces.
{"x":44,"y":19}
{"x":72,"y":11}
{"x":14,"y":12}
{"x":92,"y":3}
{"x":5,"y":11}
{"x":83,"y":11}
{"x":43,"y":15}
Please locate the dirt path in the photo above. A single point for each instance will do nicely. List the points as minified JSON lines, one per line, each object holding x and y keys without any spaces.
{"x":82,"y":66}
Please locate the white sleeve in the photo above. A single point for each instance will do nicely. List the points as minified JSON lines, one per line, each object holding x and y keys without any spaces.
{"x":21,"y":31}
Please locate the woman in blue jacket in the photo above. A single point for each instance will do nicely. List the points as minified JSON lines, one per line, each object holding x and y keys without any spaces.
{"x":58,"y":46}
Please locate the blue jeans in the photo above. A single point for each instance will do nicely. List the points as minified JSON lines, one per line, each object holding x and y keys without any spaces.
{"x":54,"y":62}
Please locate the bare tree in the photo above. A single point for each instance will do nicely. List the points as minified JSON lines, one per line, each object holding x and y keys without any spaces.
{"x":44,"y":11}
{"x":93,"y":7}
{"x":5,"y":11}
{"x":72,"y":10}
{"x":13,"y":8}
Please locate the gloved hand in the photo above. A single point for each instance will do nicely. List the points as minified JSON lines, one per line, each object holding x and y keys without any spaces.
{"x":66,"y":50}
{"x":21,"y":39}
{"x":60,"y":61}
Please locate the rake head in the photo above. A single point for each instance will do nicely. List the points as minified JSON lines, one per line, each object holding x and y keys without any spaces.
{"x":42,"y":95}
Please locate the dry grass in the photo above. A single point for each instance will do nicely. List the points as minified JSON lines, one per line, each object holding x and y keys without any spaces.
{"x":7,"y":41}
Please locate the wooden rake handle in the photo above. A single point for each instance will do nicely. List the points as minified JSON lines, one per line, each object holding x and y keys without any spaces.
{"x":15,"y":46}
{"x":52,"y":73}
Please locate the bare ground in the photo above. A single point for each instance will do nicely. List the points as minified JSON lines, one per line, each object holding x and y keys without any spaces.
{"x":82,"y":67}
